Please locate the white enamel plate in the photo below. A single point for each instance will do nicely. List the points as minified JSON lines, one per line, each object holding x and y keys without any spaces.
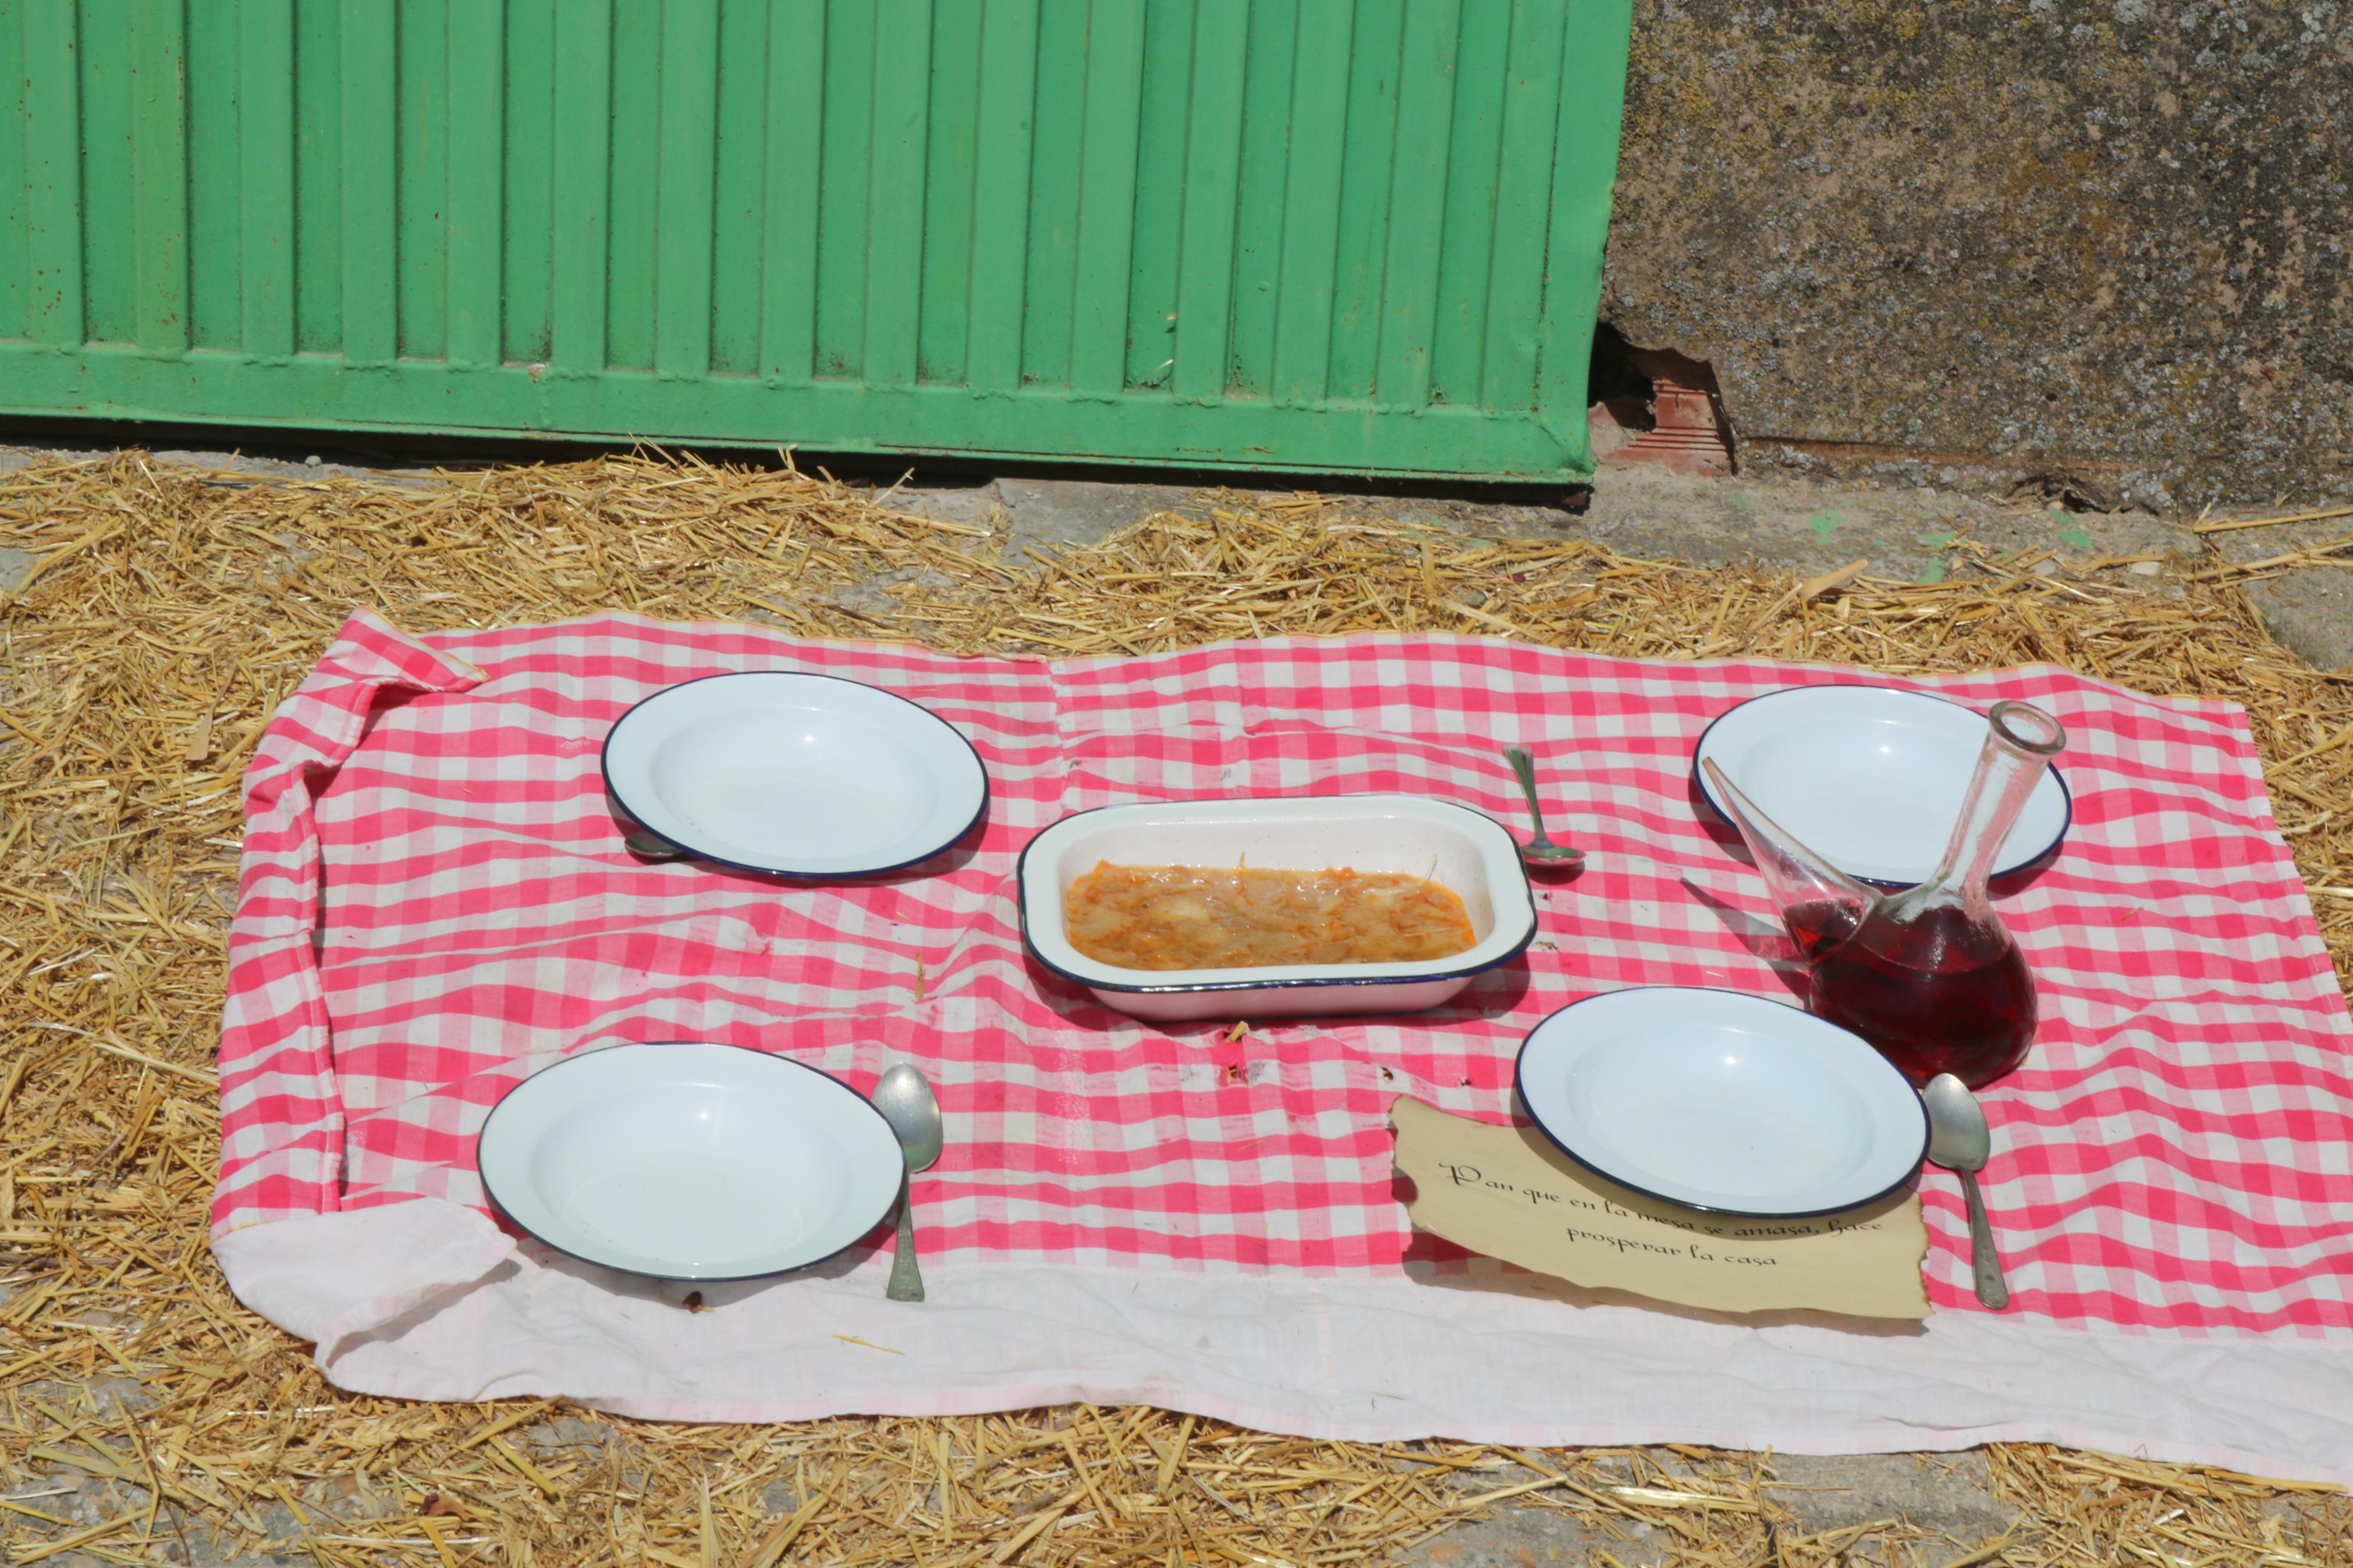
{"x":803,"y":775}
{"x":1722,"y":1102}
{"x":687,"y":1161}
{"x":1869,"y":778}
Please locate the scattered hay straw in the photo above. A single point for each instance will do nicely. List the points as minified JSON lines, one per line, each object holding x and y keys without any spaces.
{"x":148,"y":1415}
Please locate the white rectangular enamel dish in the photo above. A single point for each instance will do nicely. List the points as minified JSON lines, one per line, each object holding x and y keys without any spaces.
{"x":1471,"y":853}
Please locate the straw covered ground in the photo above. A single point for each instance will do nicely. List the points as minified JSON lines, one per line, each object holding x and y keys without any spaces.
{"x":149,"y":1418}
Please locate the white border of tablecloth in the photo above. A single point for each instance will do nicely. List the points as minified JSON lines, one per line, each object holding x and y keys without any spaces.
{"x":428,"y":1300}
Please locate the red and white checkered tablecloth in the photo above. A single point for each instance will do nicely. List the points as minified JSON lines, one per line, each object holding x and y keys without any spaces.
{"x":435,"y":902}
{"x":435,"y":898}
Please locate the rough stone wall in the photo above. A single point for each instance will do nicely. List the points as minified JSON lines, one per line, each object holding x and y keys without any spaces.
{"x":1973,"y":237}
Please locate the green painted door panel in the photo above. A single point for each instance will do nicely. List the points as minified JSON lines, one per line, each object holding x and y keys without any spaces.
{"x":1347,"y":236}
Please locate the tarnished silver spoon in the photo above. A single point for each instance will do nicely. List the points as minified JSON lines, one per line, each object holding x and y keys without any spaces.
{"x":1540,"y":850}
{"x":1960,"y":1139}
{"x":904,"y":1098}
{"x":647,"y":846}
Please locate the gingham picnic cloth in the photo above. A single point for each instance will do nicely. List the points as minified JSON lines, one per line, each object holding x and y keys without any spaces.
{"x":435,"y":898}
{"x":435,"y":902}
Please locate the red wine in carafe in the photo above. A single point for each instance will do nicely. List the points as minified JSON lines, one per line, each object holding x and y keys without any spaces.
{"x":1939,"y":992}
{"x":1816,"y":928}
{"x":1927,"y":976}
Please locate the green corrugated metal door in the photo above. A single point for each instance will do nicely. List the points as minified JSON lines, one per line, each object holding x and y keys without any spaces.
{"x":1336,"y":235}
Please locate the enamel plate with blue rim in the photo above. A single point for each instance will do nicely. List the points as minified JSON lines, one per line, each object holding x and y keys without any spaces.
{"x":1870,"y":777}
{"x":798,"y":775}
{"x":1722,"y":1102}
{"x":685,"y":1160}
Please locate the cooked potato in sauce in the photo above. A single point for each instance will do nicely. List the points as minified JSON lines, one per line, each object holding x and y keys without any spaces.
{"x":1199,"y":917}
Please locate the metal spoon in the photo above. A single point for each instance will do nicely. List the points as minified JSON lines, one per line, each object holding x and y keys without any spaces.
{"x":1540,"y":850}
{"x":1960,"y":1139}
{"x":905,"y":1100}
{"x":647,"y":846}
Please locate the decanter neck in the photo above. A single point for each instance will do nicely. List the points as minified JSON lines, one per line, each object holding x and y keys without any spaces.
{"x":2021,"y":741}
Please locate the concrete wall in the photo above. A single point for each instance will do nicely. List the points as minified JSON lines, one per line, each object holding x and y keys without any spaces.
{"x":1970,"y":239}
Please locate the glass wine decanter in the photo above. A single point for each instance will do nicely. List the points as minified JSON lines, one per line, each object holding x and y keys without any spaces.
{"x":1928,"y":975}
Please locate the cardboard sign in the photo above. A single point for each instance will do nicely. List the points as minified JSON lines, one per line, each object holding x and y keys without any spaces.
{"x":1508,"y":1194}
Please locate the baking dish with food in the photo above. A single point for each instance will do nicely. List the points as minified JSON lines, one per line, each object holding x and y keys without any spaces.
{"x":1453,"y":846}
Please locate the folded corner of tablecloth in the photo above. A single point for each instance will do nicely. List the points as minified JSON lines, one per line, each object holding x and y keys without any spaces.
{"x":333,"y":1277}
